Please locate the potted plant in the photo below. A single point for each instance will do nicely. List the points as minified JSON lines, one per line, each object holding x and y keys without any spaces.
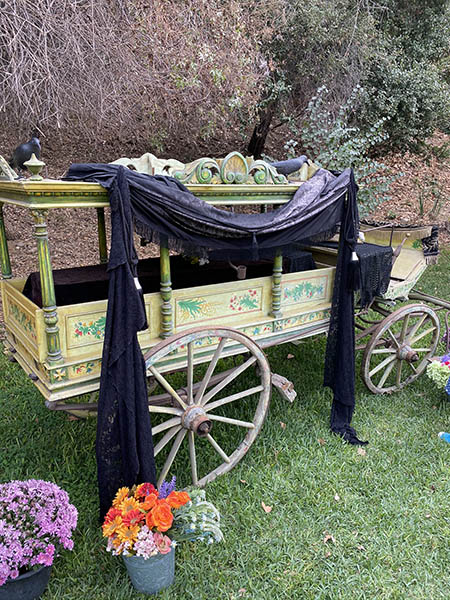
{"x":439,"y":371}
{"x":144,"y":525}
{"x":36,"y":521}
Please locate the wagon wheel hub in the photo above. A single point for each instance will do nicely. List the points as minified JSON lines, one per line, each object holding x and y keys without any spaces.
{"x":407,"y":353}
{"x":195,"y":419}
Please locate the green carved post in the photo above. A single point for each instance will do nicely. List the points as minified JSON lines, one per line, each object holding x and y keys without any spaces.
{"x":276,"y":284}
{"x":102,"y":235}
{"x":47,"y":288}
{"x":5,"y":263}
{"x":165,"y":291}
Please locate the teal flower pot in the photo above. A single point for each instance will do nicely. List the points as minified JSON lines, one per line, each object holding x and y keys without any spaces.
{"x":150,"y":575}
{"x":28,"y":586}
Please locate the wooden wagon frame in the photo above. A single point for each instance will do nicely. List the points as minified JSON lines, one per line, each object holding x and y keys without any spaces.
{"x":60,"y":347}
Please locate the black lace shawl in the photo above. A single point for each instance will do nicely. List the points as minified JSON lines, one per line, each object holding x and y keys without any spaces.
{"x":162,"y":208}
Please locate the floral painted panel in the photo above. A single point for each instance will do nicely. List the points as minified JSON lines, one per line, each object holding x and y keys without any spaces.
{"x":85,"y":329}
{"x":309,"y":289}
{"x":316,"y":315}
{"x":22,"y":319}
{"x":256,"y":330}
{"x":86,"y":368}
{"x":208,"y":307}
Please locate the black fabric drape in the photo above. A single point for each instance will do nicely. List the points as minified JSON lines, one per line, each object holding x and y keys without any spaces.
{"x":162,"y":208}
{"x":124,"y":446}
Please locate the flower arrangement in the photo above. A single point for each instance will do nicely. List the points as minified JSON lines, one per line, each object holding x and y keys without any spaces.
{"x":439,"y":372}
{"x":36,"y":519}
{"x":145,"y":522}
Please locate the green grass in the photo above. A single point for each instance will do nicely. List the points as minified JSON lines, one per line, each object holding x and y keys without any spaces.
{"x":387,"y":510}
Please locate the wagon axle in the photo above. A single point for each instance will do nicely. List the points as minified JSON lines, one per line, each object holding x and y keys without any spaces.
{"x":195,"y":419}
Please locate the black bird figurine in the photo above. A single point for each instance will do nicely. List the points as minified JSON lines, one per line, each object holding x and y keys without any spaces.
{"x":285,"y":167}
{"x":23,"y":153}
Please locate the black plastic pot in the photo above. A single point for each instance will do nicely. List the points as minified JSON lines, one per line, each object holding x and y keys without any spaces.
{"x":28,"y":586}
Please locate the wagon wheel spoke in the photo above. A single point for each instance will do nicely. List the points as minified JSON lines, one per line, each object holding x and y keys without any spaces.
{"x":190,"y":373}
{"x":382,"y":365}
{"x":228,"y":379}
{"x":404,"y":328}
{"x":385,"y":351}
{"x":217,"y":448}
{"x":394,"y":339}
{"x":209,"y":371}
{"x":422,"y":335}
{"x":166,"y":439}
{"x":166,"y":425}
{"x":171,"y":456}
{"x":212,"y":405}
{"x":417,"y":326}
{"x":193,"y":457}
{"x":237,"y":422}
{"x":166,"y":385}
{"x":398,"y":378}
{"x":386,"y":374}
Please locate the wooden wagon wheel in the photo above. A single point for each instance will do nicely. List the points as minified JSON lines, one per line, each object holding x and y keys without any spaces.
{"x":205,"y":399}
{"x":399,"y":349}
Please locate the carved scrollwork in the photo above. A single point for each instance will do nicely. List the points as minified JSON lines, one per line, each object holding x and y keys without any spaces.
{"x":233,"y":169}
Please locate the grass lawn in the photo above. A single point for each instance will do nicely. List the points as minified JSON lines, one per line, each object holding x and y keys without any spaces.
{"x":344,"y":524}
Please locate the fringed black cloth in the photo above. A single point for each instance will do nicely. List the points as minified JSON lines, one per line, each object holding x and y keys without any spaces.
{"x":160,"y":208}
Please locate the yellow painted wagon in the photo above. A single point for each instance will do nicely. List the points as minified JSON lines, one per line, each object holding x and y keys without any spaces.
{"x":203,"y":338}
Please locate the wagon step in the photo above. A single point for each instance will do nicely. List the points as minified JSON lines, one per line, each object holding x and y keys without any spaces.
{"x":284,"y":386}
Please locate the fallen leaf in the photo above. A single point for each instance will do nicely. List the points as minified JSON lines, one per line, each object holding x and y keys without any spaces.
{"x":266,"y":508}
{"x":337,"y":497}
{"x":327,"y":554}
{"x":361,"y":451}
{"x":242,"y":591}
{"x":361,"y":548}
{"x":321,"y":441}
{"x":282,"y":425}
{"x":427,"y":516}
{"x":72,"y":418}
{"x":242,"y":480}
{"x":289,"y":356}
{"x":328,"y":538}
{"x":432,"y":488}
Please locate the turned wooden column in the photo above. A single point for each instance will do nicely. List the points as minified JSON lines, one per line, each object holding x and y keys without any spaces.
{"x":5,"y":262}
{"x":165,"y":291}
{"x":276,"y":285}
{"x":47,"y":287}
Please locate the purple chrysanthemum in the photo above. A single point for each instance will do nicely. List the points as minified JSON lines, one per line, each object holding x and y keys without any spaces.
{"x":36,"y":518}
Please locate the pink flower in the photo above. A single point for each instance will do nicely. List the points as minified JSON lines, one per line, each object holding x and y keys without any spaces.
{"x":163,"y":543}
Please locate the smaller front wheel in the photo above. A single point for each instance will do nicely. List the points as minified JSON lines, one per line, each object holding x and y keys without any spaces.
{"x":400,"y":348}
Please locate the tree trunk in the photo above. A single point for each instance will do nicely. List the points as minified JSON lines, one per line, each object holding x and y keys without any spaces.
{"x":258,"y":140}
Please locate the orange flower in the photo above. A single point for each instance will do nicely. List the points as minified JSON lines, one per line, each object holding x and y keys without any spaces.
{"x":149,"y":501}
{"x":133,"y":517}
{"x":112,"y":514}
{"x":149,"y":520}
{"x":128,"y":504}
{"x":120,"y":496}
{"x":144,"y":489}
{"x":162,"y":516}
{"x":177,"y":499}
{"x":112,"y":527}
{"x":128,"y":534}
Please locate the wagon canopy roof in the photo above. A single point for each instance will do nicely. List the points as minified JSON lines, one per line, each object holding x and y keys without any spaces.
{"x":163,"y":207}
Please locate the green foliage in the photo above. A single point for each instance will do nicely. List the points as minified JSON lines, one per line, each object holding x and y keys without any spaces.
{"x":335,"y":143}
{"x":410,"y":96}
